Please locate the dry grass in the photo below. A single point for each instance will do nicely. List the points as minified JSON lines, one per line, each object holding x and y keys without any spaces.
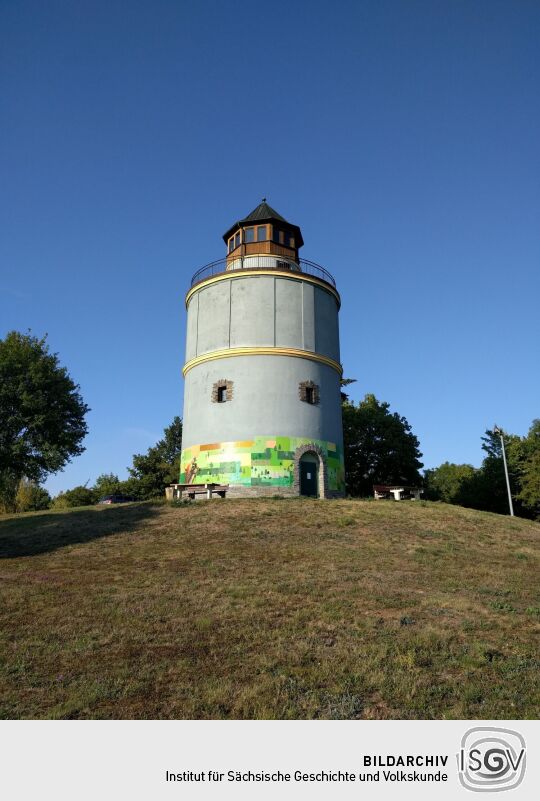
{"x":269,"y":609}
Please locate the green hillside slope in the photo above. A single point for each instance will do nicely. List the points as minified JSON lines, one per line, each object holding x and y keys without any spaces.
{"x":269,"y":609}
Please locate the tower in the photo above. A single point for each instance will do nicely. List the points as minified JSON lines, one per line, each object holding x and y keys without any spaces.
{"x":262,"y":403}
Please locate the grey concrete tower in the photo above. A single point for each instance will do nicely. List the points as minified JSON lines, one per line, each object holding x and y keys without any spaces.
{"x":262,"y":404}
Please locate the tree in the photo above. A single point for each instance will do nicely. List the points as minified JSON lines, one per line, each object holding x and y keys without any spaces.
{"x":31,"y":497}
{"x":489,"y":489}
{"x":529,"y":493}
{"x":380,"y":447}
{"x":159,"y":466}
{"x":345,"y":382}
{"x":448,"y":482}
{"x":41,"y":414}
{"x":78,"y":496}
{"x":106,"y":484}
{"x":530,"y":489}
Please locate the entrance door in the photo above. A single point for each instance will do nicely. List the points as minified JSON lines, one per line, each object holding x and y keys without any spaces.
{"x":308,"y":478}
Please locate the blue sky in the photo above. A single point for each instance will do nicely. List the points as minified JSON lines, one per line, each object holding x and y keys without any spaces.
{"x":403,"y":137}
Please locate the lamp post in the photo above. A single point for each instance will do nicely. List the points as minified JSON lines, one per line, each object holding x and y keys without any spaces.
{"x":497,"y":430}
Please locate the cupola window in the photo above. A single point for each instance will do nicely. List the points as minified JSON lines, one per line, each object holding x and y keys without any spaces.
{"x":234,"y":242}
{"x":249,"y":235}
{"x":261,"y":233}
{"x":283,"y":237}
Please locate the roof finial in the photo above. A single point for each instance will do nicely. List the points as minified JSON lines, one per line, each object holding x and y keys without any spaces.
{"x":263,"y":200}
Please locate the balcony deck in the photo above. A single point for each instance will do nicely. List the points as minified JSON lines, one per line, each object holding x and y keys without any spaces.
{"x":262,"y":262}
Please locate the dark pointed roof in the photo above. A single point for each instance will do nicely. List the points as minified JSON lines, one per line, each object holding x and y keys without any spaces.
{"x":264,"y":213}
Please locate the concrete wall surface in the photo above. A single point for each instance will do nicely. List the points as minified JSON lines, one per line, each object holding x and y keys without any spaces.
{"x":265,"y":399}
{"x":259,"y":310}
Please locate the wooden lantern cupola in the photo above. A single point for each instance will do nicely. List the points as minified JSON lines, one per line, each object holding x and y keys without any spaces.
{"x":263,"y":232}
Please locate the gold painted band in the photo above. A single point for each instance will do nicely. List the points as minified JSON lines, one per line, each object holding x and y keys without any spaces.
{"x":247,"y":273}
{"x":228,"y":352}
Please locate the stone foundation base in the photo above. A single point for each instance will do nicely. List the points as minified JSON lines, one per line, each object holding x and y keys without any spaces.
{"x":239,"y":491}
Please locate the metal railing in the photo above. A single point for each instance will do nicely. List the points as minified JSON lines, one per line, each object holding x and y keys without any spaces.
{"x":262,"y":262}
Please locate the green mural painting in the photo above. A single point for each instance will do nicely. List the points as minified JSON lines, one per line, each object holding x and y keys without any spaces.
{"x":262,"y":461}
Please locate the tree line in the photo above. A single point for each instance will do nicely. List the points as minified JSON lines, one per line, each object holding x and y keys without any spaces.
{"x":42,"y":426}
{"x":149,"y":474}
{"x":484,"y":487}
{"x":380,"y":448}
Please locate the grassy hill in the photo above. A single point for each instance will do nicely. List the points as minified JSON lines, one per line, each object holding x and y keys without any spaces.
{"x":269,"y":609}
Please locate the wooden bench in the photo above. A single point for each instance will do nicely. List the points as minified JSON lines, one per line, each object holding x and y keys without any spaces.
{"x":177,"y":491}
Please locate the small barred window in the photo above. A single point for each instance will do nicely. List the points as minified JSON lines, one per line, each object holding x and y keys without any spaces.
{"x":222,"y":391}
{"x":309,"y":392}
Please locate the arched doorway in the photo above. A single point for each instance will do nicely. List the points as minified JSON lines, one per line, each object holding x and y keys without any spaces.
{"x":310,"y":459}
{"x":309,"y":474}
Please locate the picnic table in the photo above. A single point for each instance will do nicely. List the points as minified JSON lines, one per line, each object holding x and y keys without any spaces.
{"x":399,"y":491}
